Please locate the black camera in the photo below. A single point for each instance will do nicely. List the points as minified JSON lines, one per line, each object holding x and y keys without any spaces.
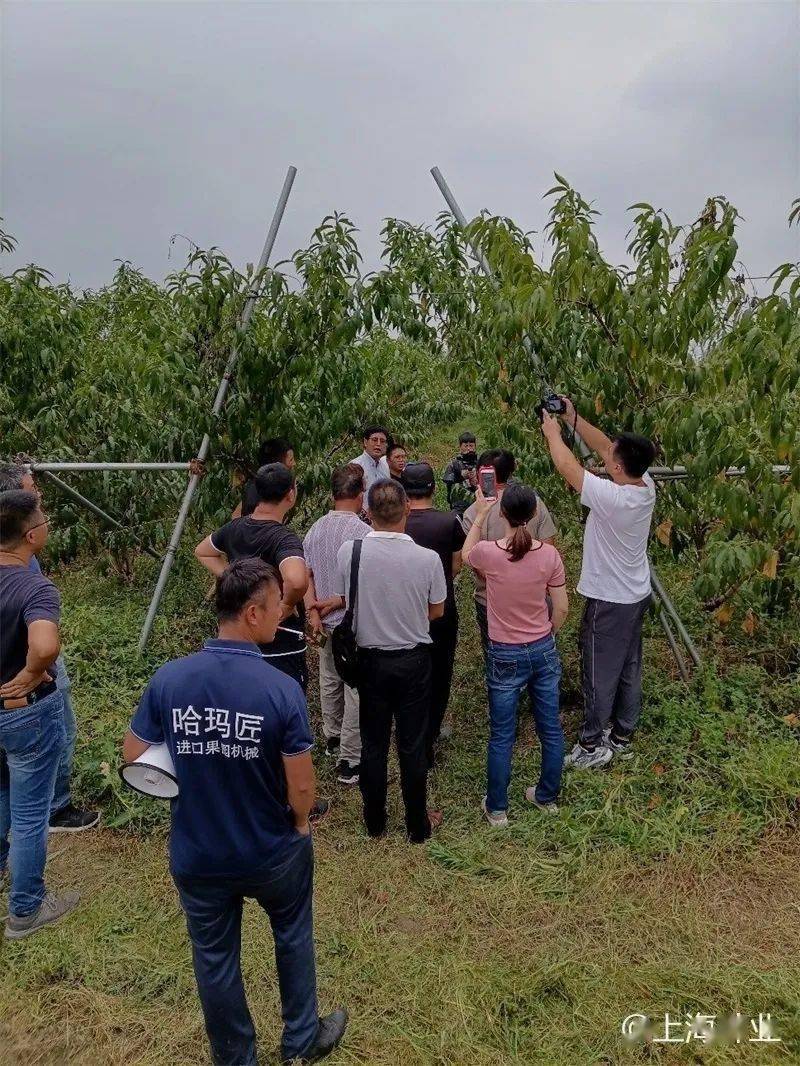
{"x":551,"y":403}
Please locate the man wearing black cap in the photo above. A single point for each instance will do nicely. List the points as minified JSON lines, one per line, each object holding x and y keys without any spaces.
{"x":461,"y":474}
{"x":442,"y":532}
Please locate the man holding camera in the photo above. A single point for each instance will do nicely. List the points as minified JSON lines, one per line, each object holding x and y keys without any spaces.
{"x":461,"y":474}
{"x":615,"y":580}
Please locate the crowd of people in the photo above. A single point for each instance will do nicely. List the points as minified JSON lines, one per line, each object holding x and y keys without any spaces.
{"x":381,"y":564}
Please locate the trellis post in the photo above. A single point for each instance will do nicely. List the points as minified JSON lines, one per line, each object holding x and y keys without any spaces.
{"x":219,"y":400}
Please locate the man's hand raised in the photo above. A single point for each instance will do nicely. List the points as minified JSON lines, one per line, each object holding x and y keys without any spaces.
{"x":569,"y":414}
{"x":550,"y":427}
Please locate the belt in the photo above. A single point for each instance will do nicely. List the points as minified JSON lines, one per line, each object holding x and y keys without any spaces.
{"x":392,"y":653}
{"x":43,"y":690}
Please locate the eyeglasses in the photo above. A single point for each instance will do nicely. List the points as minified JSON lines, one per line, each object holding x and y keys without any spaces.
{"x":46,"y":522}
{"x":376,"y":440}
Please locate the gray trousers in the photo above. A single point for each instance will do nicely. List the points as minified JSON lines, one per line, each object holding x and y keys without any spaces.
{"x":611,"y":668}
{"x":339,"y":705}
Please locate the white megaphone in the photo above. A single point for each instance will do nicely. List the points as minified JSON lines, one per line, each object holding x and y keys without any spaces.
{"x":152,"y":774}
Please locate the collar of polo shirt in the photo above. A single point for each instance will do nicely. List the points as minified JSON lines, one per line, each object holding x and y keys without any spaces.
{"x":388,"y":534}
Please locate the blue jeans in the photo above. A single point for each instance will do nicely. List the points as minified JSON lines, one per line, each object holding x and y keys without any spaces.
{"x":213,"y":909}
{"x":62,"y":796}
{"x":31,"y":742}
{"x":510,"y":668}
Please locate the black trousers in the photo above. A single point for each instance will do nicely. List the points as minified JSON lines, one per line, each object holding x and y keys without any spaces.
{"x":292,"y":665}
{"x":444,"y":634}
{"x":395,"y":686}
{"x":482,"y":618}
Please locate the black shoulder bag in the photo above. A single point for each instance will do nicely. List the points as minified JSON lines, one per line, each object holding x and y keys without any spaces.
{"x":343,"y":638}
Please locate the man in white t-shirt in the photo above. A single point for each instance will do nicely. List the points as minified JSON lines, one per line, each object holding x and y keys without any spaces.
{"x":615,"y":581}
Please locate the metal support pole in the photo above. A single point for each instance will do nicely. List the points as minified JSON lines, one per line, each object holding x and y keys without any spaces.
{"x":683,"y":669}
{"x":669,"y":607}
{"x":84,"y":467}
{"x":680,"y":473}
{"x":458,"y":214}
{"x":78,"y":498}
{"x":219,"y":400}
{"x":584,"y":450}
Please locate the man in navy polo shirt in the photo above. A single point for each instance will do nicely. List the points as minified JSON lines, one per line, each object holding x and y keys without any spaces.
{"x":237,"y":730}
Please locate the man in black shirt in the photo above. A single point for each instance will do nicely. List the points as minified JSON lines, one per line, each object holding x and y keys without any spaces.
{"x":263,"y":535}
{"x":461,"y":474}
{"x":441,"y":531}
{"x":32,"y":732}
{"x":274,"y":450}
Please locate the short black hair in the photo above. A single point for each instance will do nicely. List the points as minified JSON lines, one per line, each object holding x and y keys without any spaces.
{"x":503,"y":462}
{"x":635,"y":453}
{"x":273,"y":482}
{"x":17,"y":508}
{"x":11,"y":475}
{"x":273,"y":450}
{"x":373,"y":427}
{"x":387,"y":501}
{"x":347,"y":482}
{"x":396,"y":445}
{"x":240,"y":583}
{"x":466,"y":437}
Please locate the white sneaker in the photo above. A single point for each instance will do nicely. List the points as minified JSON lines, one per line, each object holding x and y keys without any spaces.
{"x":583,"y":759}
{"x":549,"y":808}
{"x":497,"y":819}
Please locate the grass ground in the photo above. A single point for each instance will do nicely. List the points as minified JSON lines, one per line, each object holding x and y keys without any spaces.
{"x":668,"y":883}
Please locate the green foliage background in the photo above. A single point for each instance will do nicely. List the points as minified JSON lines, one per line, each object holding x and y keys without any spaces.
{"x":675,"y":344}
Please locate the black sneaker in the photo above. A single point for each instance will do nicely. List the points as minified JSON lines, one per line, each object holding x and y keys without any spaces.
{"x":319,"y":810}
{"x":73,"y":820}
{"x":329,"y":1035}
{"x":347,"y":773}
{"x":332,"y":746}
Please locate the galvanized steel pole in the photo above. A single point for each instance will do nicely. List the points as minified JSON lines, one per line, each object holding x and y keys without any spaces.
{"x":219,"y":400}
{"x":82,"y":500}
{"x":84,"y":467}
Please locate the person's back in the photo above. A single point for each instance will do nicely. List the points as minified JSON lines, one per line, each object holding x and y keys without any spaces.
{"x":442,"y":532}
{"x":396,"y":580}
{"x":263,"y":535}
{"x":237,"y":730}
{"x":615,"y":566}
{"x":400,"y":590}
{"x":520,"y":573}
{"x":541,"y":527}
{"x":227,"y":717}
{"x":338,"y":702}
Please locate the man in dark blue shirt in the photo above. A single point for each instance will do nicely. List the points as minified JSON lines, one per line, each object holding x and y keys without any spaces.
{"x":238,"y":733}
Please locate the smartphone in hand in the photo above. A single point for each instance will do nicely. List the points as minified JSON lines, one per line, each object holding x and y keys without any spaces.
{"x":487,"y":479}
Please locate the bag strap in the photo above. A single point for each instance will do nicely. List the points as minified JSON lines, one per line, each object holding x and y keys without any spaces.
{"x":355,"y":559}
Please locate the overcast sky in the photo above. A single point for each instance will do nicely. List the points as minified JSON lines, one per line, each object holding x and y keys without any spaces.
{"x":124,"y":123}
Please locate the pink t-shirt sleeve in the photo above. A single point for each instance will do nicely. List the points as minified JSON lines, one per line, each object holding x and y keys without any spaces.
{"x":557,"y":577}
{"x":481,"y":556}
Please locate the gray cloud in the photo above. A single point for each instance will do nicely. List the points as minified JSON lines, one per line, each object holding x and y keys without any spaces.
{"x":126,"y":122}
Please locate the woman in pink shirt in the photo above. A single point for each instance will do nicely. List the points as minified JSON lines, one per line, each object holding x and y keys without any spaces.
{"x":520,"y":573}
